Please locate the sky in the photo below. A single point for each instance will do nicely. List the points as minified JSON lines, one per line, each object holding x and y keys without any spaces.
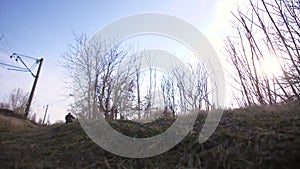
{"x":44,"y":29}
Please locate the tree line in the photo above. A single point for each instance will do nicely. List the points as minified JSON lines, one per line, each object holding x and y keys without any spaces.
{"x":110,"y":82}
{"x":108,"y":78}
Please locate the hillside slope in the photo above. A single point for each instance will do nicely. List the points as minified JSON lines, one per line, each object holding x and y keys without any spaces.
{"x":12,"y":121}
{"x":255,"y":137}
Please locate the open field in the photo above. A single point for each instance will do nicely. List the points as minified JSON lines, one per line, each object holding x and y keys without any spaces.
{"x":253,"y":137}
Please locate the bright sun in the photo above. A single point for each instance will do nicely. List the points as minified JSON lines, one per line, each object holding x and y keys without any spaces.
{"x":270,"y":67}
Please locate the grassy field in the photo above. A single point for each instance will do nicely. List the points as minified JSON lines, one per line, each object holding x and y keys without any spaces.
{"x":253,"y":137}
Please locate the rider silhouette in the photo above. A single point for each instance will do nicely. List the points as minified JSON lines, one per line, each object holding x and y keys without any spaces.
{"x":69,"y":118}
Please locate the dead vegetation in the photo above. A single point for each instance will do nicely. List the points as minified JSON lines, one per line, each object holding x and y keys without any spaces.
{"x":13,"y":121}
{"x":253,"y":137}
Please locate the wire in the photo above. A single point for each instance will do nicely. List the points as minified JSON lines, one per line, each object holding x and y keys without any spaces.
{"x":29,"y":57}
{"x":6,"y":46}
{"x":18,"y":57}
{"x":32,"y":67}
{"x":15,"y":67}
{"x":6,"y":51}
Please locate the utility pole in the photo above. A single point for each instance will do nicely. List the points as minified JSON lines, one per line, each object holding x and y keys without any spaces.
{"x":45,"y":115}
{"x":33,"y":88}
{"x":36,"y":77}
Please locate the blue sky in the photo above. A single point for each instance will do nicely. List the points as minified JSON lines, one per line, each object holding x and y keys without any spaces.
{"x":45,"y":28}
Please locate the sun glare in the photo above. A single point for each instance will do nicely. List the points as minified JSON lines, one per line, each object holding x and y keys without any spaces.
{"x":270,"y":66}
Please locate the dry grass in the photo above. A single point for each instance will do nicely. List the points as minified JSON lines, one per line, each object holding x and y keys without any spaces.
{"x":11,"y":121}
{"x":253,"y":137}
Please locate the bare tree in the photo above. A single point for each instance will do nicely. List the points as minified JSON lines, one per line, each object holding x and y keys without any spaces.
{"x":193,"y":87}
{"x":4,"y":105}
{"x":107,"y":82}
{"x":16,"y":101}
{"x":138,"y":90}
{"x":82,"y":63}
{"x":168,"y":91}
{"x":99,"y":76}
{"x":267,"y":28}
{"x":137,"y":67}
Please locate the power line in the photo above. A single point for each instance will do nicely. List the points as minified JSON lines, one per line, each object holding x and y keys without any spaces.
{"x":25,"y":56}
{"x":38,"y":61}
{"x":6,"y":46}
{"x":6,"y":50}
{"x":17,"y":68}
{"x":11,"y":75}
{"x":18,"y":57}
{"x":21,"y":69}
